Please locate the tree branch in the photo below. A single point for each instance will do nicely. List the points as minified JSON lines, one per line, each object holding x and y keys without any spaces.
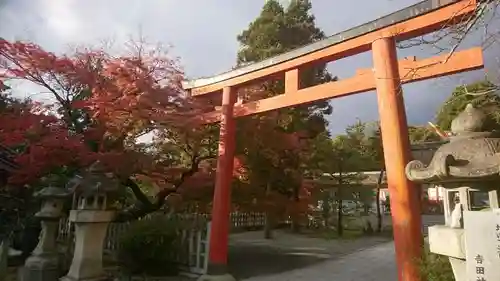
{"x":144,"y":205}
{"x":136,"y":190}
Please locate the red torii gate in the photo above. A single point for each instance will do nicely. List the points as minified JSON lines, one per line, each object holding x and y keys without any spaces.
{"x":386,"y":78}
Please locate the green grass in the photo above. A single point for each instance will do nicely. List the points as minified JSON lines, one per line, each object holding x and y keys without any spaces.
{"x":435,"y":267}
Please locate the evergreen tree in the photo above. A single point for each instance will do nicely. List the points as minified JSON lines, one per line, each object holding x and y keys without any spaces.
{"x":278,"y":30}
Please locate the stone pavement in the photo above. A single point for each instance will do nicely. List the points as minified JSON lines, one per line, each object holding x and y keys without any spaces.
{"x":372,"y":264}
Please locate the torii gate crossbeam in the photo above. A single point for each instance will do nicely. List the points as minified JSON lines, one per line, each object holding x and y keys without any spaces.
{"x":386,"y":77}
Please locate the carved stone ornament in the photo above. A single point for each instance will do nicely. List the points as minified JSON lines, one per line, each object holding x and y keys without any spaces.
{"x":470,"y":155}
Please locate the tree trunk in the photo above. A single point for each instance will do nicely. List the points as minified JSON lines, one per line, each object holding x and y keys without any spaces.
{"x":379,"y":211}
{"x":268,"y":227}
{"x":326,"y":208}
{"x":340,"y":227}
{"x":340,"y":213}
{"x":269,"y":223}
{"x":366,"y":209}
{"x":295,"y":224}
{"x":296,"y":216}
{"x":144,"y":206}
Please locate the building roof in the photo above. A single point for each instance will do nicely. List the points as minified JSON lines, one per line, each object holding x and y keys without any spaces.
{"x":366,"y":178}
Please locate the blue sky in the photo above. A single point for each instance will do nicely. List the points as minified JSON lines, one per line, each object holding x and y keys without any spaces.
{"x":203,"y":34}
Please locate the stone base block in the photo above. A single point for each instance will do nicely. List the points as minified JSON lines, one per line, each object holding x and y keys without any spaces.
{"x":225,"y":277}
{"x":447,"y":241}
{"x":38,"y":274}
{"x":42,"y":267}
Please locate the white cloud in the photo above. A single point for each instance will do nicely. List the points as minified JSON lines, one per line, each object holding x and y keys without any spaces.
{"x":203,"y":33}
{"x":61,"y":18}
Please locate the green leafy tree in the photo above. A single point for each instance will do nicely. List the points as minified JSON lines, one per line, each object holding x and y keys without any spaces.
{"x":366,"y":139}
{"x":419,"y":134}
{"x":339,"y":159}
{"x":369,"y":143}
{"x":278,"y":30}
{"x":481,"y":94}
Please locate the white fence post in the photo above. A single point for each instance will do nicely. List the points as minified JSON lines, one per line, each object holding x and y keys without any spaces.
{"x":206,"y":247}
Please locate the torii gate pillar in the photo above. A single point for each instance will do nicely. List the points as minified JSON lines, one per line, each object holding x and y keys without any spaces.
{"x":405,"y":198}
{"x":219,"y":229}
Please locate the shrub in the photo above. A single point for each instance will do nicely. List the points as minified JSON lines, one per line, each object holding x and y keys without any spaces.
{"x":148,"y":247}
{"x":435,"y":267}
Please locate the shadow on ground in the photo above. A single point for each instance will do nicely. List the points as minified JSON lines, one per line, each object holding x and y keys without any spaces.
{"x":253,"y":260}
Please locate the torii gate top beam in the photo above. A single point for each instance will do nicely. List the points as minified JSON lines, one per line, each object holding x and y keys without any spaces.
{"x":420,"y":19}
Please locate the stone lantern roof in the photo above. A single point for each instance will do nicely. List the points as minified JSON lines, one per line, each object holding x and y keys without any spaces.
{"x":470,"y":155}
{"x":52,"y":191}
{"x":94,"y":181}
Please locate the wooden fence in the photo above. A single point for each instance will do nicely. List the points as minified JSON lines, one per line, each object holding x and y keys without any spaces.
{"x":247,"y":221}
{"x":194,"y":238}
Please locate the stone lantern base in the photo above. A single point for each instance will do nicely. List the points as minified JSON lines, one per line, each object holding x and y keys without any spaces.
{"x":44,"y":262}
{"x":90,"y":231}
{"x":44,"y":267}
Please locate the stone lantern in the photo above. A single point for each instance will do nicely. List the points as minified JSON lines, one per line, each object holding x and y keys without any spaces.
{"x":44,"y":263}
{"x":468,"y":168}
{"x":94,"y":192}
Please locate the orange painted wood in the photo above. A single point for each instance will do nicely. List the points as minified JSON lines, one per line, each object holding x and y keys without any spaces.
{"x":222,"y":193}
{"x":292,"y":81}
{"x":417,"y":26}
{"x":411,"y":71}
{"x":405,"y":198}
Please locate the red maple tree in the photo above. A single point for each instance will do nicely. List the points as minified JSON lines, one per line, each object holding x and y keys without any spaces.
{"x":100,"y":105}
